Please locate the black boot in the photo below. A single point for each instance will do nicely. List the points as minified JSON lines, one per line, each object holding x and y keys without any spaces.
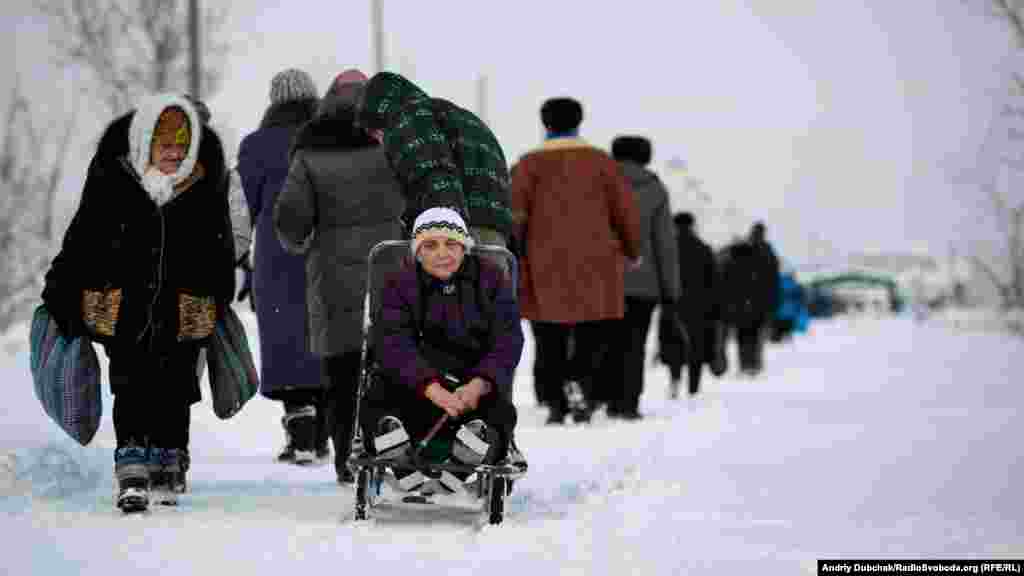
{"x":300,"y":431}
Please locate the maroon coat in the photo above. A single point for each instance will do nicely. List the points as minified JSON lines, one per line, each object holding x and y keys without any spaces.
{"x":575,"y":212}
{"x":468,"y":326}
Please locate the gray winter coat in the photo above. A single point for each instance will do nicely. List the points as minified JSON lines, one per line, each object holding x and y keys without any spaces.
{"x":340,"y":199}
{"x":657,"y":278}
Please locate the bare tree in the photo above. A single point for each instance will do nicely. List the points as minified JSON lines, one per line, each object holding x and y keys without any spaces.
{"x":132,"y":47}
{"x":1003,"y":152}
{"x":31,"y":168}
{"x":1009,"y":278}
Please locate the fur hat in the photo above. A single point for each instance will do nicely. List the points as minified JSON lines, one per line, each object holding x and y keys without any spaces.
{"x":292,"y":84}
{"x":440,"y":223}
{"x":632,"y":148}
{"x":560,"y":115}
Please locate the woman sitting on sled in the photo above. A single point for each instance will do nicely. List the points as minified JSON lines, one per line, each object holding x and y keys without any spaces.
{"x":447,"y":342}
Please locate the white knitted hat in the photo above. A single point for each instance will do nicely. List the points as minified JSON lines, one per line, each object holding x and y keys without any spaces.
{"x":440,"y":223}
{"x":292,"y":84}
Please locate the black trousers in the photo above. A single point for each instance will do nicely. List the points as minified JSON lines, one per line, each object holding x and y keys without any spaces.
{"x":153,"y":394}
{"x":625,"y":359}
{"x":700,"y":333}
{"x":419,"y":415}
{"x":338,"y":404}
{"x":569,"y":352}
{"x":750,"y":340}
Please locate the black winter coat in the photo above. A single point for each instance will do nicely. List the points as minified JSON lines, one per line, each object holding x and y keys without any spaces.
{"x":120,"y":238}
{"x":751,"y":283}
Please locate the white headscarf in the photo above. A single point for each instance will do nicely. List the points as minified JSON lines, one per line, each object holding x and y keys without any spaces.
{"x":140,"y":140}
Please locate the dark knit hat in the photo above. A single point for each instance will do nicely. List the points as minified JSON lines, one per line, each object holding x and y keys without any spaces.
{"x":633,"y":148}
{"x":560,"y":115}
{"x":684,"y":219}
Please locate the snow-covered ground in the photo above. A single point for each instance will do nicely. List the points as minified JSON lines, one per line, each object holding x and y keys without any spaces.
{"x":869,"y":437}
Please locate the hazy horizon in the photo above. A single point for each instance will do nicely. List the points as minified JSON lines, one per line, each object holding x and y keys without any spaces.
{"x":852,"y":126}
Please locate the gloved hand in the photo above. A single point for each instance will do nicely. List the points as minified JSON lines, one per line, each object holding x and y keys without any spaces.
{"x":68,"y":318}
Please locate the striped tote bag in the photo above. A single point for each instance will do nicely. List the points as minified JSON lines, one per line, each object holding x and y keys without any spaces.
{"x":229,"y":363}
{"x":66,"y":377}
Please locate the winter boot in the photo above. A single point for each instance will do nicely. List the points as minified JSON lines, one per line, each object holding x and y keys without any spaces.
{"x":515,"y":458}
{"x":176,"y":464}
{"x":577,"y":401}
{"x":131,"y":469}
{"x":300,"y":431}
{"x":323,"y":450}
{"x":287,"y":454}
{"x":391,"y":441}
{"x":475,"y":442}
{"x":159,"y":480}
{"x":673,"y":389}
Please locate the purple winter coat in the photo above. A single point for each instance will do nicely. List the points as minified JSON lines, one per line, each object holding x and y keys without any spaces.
{"x":468,"y":326}
{"x":279,"y":278}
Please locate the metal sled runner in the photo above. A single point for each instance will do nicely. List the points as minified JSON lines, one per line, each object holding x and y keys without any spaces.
{"x":484,"y":486}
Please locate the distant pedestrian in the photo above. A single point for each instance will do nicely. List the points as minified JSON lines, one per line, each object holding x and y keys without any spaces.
{"x":697,"y":311}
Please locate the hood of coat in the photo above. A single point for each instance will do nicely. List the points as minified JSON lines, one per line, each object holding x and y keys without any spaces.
{"x":333,"y":128}
{"x":140,"y":139}
{"x":385,"y":94}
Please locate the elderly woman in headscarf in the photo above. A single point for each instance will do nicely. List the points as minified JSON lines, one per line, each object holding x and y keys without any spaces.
{"x":146,"y":266}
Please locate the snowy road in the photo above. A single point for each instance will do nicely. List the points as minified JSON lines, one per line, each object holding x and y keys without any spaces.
{"x":865,"y":438}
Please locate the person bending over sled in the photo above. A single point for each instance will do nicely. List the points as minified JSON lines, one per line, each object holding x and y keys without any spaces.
{"x":447,"y":342}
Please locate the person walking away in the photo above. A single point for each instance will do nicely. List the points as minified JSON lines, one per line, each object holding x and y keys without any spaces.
{"x":444,"y":155}
{"x":575,"y":212}
{"x":766,"y":294}
{"x":339,"y":200}
{"x":697,"y":310}
{"x":288,"y":372}
{"x":654,"y":282}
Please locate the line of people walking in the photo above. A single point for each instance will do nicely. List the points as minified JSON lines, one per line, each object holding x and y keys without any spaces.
{"x":159,"y":233}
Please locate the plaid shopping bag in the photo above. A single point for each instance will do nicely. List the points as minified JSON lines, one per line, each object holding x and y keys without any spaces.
{"x":229,"y":363}
{"x":66,"y":377}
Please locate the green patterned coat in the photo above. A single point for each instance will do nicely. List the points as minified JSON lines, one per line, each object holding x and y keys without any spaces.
{"x":444,"y":155}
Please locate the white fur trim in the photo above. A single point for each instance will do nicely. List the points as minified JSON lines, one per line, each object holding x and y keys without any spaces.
{"x":140,"y":140}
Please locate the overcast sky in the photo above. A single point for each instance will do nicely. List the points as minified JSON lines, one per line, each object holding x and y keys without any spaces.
{"x":851,"y":123}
